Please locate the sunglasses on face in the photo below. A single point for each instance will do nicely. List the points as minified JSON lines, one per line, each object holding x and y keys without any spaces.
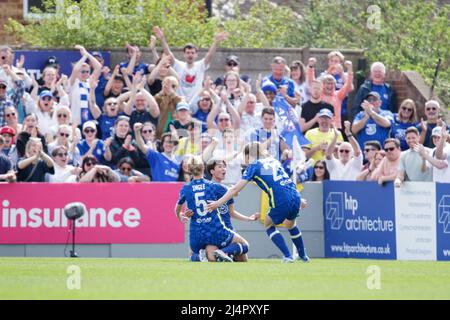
{"x":147,"y":131}
{"x":62,"y":134}
{"x":408,"y":109}
{"x":344,"y":150}
{"x":372,"y":100}
{"x":10,"y":115}
{"x":62,"y":115}
{"x":389,"y":149}
{"x":89,"y":131}
{"x":47,"y":98}
{"x":319,"y":167}
{"x":62,"y":154}
{"x":89,"y":163}
{"x":2,"y":86}
{"x":125,"y":168}
{"x":431,"y":109}
{"x":206,"y":99}
{"x":232,"y":64}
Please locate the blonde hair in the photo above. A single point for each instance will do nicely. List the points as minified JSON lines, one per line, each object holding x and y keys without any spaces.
{"x":172,"y":80}
{"x":328,"y":78}
{"x":195,"y":166}
{"x":32,"y":141}
{"x":232,"y":73}
{"x":65,"y":109}
{"x":336,"y":53}
{"x":413,"y":117}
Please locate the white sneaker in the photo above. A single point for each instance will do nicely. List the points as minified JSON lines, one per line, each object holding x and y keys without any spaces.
{"x":202,"y":255}
{"x":287,"y":260}
{"x":222,"y":256}
{"x":305,"y":258}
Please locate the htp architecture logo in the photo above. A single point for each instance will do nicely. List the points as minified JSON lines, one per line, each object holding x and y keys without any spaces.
{"x":334,"y":209}
{"x":444,"y":213}
{"x":341,"y":210}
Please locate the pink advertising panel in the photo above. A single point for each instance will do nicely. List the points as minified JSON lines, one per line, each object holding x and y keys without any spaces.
{"x":117,"y":213}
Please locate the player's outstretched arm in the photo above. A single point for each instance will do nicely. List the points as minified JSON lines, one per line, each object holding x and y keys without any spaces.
{"x":233,"y":191}
{"x":239,"y":216}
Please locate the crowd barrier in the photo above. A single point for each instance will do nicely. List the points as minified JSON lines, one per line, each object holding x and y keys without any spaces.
{"x":342,"y":220}
{"x":364,"y":220}
{"x":32,"y":213}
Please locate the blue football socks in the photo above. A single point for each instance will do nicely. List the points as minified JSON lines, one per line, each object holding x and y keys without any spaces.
{"x":278,"y":240}
{"x":296,"y":237}
{"x":235,"y":249}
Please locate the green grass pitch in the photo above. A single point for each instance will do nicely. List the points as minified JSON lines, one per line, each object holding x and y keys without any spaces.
{"x":46,"y":278}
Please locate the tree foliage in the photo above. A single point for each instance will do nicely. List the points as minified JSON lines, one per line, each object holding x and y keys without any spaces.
{"x":111,"y":23}
{"x":404,"y":34}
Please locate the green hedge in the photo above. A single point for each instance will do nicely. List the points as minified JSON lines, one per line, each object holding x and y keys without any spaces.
{"x":405,"y":35}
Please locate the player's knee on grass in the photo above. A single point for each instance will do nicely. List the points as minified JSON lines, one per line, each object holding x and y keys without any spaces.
{"x":239,"y":239}
{"x":210,"y":253}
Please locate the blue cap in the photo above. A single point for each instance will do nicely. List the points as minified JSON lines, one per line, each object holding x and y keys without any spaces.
{"x":97,"y":54}
{"x":325,"y":113}
{"x":269,"y":86}
{"x":182,"y":106}
{"x":45,"y":93}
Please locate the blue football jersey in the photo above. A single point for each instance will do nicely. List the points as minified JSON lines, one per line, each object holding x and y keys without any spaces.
{"x":198,"y":193}
{"x":270,"y":176}
{"x":225,"y":211}
{"x":162,"y":168}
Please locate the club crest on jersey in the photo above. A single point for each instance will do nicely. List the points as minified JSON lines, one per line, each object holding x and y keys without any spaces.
{"x":223,"y":209}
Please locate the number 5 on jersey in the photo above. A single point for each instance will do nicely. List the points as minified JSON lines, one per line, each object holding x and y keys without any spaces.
{"x":200,"y":203}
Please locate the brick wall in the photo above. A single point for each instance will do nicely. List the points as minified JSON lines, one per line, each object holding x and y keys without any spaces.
{"x":9,"y":9}
{"x":410,"y":85}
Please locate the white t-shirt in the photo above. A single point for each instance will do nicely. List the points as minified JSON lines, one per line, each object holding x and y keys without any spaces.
{"x":250,"y":123}
{"x":61,"y":174}
{"x":190,"y":78}
{"x":347,"y":172}
{"x":443,"y":175}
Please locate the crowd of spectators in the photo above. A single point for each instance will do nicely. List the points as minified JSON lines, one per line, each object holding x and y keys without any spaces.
{"x":142,"y":121}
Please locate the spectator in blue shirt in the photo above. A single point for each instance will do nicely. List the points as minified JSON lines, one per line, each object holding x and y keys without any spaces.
{"x":164,"y":165}
{"x":103,"y":78}
{"x":134,"y":64}
{"x":372,"y":123}
{"x":405,"y":118}
{"x":284,"y":85}
{"x":90,"y":145}
{"x":107,"y":118}
{"x":376,"y":83}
